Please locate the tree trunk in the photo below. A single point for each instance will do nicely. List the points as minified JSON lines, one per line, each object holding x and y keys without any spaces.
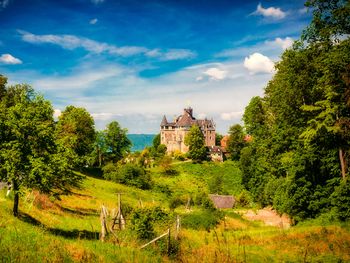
{"x":16,"y":198}
{"x":342,"y":163}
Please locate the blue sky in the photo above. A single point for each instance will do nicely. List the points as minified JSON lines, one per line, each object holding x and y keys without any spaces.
{"x":133,"y":61}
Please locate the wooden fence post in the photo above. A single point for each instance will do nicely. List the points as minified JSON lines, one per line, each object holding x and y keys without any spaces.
{"x":169,"y":243}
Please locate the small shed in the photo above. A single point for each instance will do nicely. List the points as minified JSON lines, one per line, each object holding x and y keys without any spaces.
{"x":223,"y":201}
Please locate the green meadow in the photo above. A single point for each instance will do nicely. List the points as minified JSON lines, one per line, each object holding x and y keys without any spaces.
{"x":67,"y":229}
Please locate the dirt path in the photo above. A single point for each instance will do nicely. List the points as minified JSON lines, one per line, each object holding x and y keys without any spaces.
{"x":268,"y":216}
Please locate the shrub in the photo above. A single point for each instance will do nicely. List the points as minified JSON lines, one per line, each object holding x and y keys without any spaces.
{"x":179,"y":155}
{"x":165,"y":165}
{"x":176,"y":201}
{"x":205,"y":219}
{"x":142,"y":221}
{"x":244,"y":199}
{"x":340,"y":199}
{"x":129,"y":174}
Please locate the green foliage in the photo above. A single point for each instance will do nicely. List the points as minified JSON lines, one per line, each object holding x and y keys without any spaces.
{"x":179,"y":155}
{"x":156,"y":141}
{"x":330,"y":20}
{"x":116,"y":141}
{"x":300,"y":128}
{"x":216,"y":184}
{"x":176,"y":201}
{"x":29,"y":154}
{"x":243,"y":199}
{"x":195,"y":141}
{"x":206,"y":219}
{"x":165,"y":163}
{"x":128,"y":174}
{"x":235,"y":142}
{"x":76,"y":131}
{"x":218,"y":138}
{"x":341,"y":200}
{"x":142,"y":221}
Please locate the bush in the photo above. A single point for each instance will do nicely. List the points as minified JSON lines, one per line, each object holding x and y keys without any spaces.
{"x":142,"y":221}
{"x":243,"y":199}
{"x":179,"y":155}
{"x":176,"y":201}
{"x":129,"y":174}
{"x":110,"y":171}
{"x":142,"y":224}
{"x":206,"y":220}
{"x":165,"y":165}
{"x":340,"y":199}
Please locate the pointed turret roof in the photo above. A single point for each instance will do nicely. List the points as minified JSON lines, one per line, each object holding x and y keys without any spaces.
{"x":164,"y":121}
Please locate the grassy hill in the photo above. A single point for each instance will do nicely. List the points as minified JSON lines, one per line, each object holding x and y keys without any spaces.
{"x":67,"y":230}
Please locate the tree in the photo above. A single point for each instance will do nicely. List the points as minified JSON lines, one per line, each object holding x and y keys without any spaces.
{"x":330,"y":20}
{"x":218,"y":138}
{"x":195,"y":141}
{"x":117,"y":141}
{"x":76,"y":131}
{"x":100,"y":149}
{"x":156,"y":141}
{"x":236,"y":141}
{"x":29,"y":156}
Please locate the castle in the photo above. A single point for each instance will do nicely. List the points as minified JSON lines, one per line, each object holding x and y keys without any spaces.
{"x":172,"y":134}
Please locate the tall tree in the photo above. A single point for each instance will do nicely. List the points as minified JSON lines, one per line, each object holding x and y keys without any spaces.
{"x":195,"y":141}
{"x":301,"y":125}
{"x":236,"y":141}
{"x":117,"y":141}
{"x":76,"y":131}
{"x":29,"y":156}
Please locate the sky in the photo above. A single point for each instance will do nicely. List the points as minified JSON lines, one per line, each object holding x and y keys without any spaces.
{"x":134,"y":61}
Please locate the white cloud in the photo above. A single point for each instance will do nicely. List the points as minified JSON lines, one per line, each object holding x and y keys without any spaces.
{"x":9,"y":59}
{"x":303,"y":10}
{"x":285,"y":43}
{"x":227,"y":116}
{"x":96,"y":2}
{"x":80,"y":80}
{"x":104,"y":116}
{"x":201,"y":116}
{"x":57,"y":113}
{"x":71,"y":42}
{"x":215,"y":73}
{"x":93,"y":21}
{"x":176,"y":54}
{"x":114,"y":92}
{"x":272,"y":12}
{"x":258,"y":63}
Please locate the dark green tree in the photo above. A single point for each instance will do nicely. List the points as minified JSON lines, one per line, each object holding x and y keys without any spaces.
{"x":301,"y":126}
{"x":195,"y":141}
{"x":218,"y":138}
{"x":29,"y":155}
{"x":117,"y":141}
{"x":236,"y":141}
{"x":156,"y":141}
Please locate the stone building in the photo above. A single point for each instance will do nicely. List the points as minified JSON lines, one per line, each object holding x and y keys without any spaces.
{"x":172,"y":134}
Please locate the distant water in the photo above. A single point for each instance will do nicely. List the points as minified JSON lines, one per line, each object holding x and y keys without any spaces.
{"x":140,"y":141}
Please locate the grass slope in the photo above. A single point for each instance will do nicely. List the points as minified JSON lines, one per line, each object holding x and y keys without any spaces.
{"x":67,"y":230}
